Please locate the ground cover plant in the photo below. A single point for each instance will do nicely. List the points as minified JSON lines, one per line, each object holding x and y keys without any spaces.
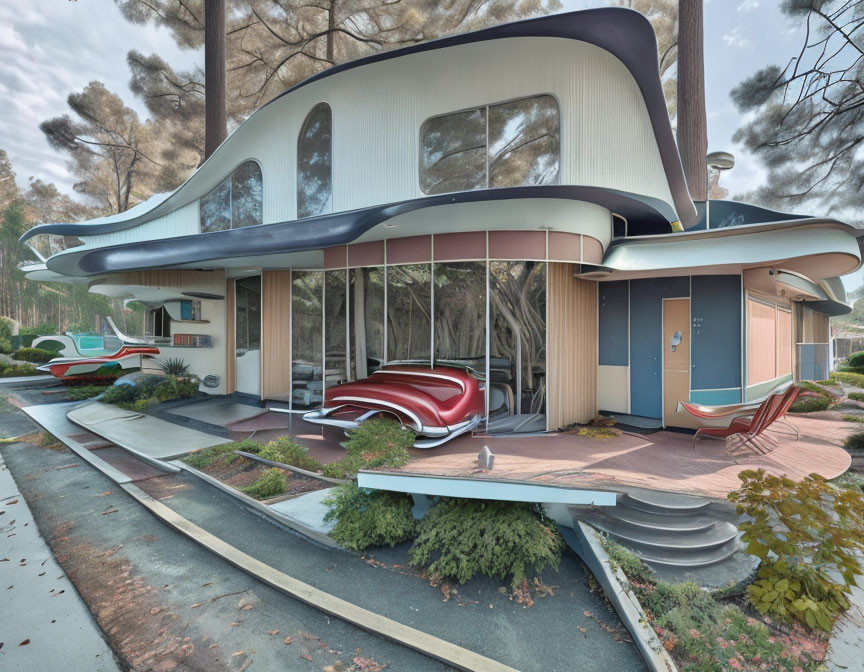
{"x":272,"y":482}
{"x":207,"y":457}
{"x":856,"y":396}
{"x":460,"y":538}
{"x":704,"y":633}
{"x":853,"y":418}
{"x":286,"y":450}
{"x":81,"y":392}
{"x":150,"y":391}
{"x":814,"y":398}
{"x":808,"y":535}
{"x":378,"y":442}
{"x":8,"y":370}
{"x":848,"y":378}
{"x":365,"y":518}
{"x":854,"y":443}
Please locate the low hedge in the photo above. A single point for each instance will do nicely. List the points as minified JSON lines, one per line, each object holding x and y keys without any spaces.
{"x":849,"y":378}
{"x":365,"y":518}
{"x":286,"y":450}
{"x":504,"y":540}
{"x":375,"y":443}
{"x":15,"y":370}
{"x":35,"y":355}
{"x":149,"y":392}
{"x":810,"y":404}
{"x":856,"y":360}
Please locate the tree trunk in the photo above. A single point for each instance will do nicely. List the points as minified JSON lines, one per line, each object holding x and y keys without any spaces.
{"x":215,"y":129}
{"x":692,"y":123}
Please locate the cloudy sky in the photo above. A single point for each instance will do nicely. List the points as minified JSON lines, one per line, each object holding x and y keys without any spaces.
{"x":50,"y":48}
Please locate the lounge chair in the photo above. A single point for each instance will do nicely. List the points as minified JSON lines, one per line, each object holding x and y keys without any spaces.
{"x":749,"y":429}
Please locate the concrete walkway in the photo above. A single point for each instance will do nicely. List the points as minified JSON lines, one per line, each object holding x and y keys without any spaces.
{"x":45,"y":624}
{"x":846,"y":646}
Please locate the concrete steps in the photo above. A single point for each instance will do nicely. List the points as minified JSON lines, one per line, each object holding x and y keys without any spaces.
{"x":675,"y":533}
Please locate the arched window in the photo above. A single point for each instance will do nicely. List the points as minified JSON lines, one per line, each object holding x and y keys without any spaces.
{"x":236,"y":202}
{"x":314,"y":163}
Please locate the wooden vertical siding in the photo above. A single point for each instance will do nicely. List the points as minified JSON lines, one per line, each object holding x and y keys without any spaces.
{"x":572,"y":357}
{"x":761,"y":342}
{"x":276,"y":334}
{"x":230,"y":363}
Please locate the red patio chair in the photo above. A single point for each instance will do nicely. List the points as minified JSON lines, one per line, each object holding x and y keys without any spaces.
{"x":750,"y":429}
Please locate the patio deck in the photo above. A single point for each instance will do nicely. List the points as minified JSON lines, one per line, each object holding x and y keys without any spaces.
{"x":660,"y":461}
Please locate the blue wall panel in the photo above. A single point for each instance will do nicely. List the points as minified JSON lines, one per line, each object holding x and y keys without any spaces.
{"x":646,"y":336}
{"x":715,"y":309}
{"x":613,"y":299}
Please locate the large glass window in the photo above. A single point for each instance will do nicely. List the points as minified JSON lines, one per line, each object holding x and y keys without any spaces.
{"x":367,"y":321}
{"x":314,"y":163}
{"x":505,"y":145}
{"x":335,"y":310}
{"x":248,"y":313}
{"x":307,"y":386}
{"x":236,"y":202}
{"x":460,"y":313}
{"x":517,"y":352}
{"x":409,"y":307}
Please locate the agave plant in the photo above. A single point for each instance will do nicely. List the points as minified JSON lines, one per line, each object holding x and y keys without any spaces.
{"x":174,"y":366}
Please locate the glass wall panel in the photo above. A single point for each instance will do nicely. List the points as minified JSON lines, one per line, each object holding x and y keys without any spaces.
{"x":314,"y":163}
{"x":409,"y":299}
{"x":453,"y":152}
{"x":248,"y":313}
{"x":517,"y":353}
{"x":335,"y":300}
{"x":306,"y":333}
{"x":524,"y":142}
{"x":460,"y":313}
{"x":367,"y":321}
{"x":246,"y":196}
{"x":216,"y":208}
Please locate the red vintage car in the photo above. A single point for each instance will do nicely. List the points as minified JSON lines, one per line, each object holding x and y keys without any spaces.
{"x":439,"y":403}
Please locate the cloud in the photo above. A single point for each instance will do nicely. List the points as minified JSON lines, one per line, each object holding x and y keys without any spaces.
{"x":51,"y":49}
{"x":748,"y":6}
{"x":734,"y":38}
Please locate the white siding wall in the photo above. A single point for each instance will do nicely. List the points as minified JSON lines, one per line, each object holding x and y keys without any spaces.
{"x":606,"y":134}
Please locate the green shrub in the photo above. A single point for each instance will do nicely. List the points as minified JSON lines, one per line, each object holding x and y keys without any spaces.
{"x":856,"y":360}
{"x":853,"y":418}
{"x":35,"y":355}
{"x":82,"y":392}
{"x":15,"y":370}
{"x":856,"y":396}
{"x":815,"y":388}
{"x":223,"y":455}
{"x":702,"y":633}
{"x":498,"y":539}
{"x":810,"y":404}
{"x":854,"y":443}
{"x":286,"y":450}
{"x":271,"y":483}
{"x":807,"y":534}
{"x":5,"y":335}
{"x":366,"y":518}
{"x":120,"y":394}
{"x":42,"y":329}
{"x":849,"y":378}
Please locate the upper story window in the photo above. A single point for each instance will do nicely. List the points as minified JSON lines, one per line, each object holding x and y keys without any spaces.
{"x":314,"y":163}
{"x":510,"y":144}
{"x":235,"y":203}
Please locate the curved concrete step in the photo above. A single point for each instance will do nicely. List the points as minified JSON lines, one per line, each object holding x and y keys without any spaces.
{"x":639,"y":519}
{"x":686,"y":542}
{"x":663,"y":502}
{"x":703,"y":558}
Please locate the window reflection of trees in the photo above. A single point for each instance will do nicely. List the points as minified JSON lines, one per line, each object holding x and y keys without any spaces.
{"x":334,"y":326}
{"x":517,"y":325}
{"x":453,"y":152}
{"x":460,"y":312}
{"x":306,"y":334}
{"x":409,"y":299}
{"x":314,"y":167}
{"x":524,"y":142}
{"x":236,"y":202}
{"x":523,"y":147}
{"x":367,"y":321}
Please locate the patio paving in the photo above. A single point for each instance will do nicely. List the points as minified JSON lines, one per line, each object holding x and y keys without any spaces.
{"x":220,"y":411}
{"x":660,"y":461}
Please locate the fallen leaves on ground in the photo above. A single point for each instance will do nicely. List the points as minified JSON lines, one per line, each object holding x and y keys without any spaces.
{"x":272,"y":632}
{"x":287,"y":640}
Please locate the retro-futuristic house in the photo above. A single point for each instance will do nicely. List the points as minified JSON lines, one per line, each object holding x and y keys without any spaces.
{"x":511,"y":200}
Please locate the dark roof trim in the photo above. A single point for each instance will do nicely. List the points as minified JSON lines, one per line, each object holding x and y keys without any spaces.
{"x":316,"y":233}
{"x":624,"y":33}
